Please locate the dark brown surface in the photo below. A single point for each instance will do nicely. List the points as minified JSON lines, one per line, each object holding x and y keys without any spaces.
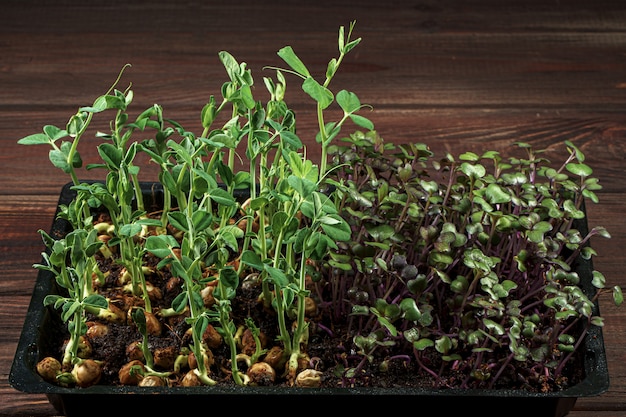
{"x":457,"y":75}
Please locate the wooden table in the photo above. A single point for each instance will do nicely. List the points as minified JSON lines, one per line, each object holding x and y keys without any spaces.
{"x":455,"y":75}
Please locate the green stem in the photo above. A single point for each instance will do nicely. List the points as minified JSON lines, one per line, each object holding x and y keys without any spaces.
{"x":74,"y":148}
{"x":301,"y":325}
{"x":323,"y":138}
{"x":230,"y":341}
{"x":71,"y":349}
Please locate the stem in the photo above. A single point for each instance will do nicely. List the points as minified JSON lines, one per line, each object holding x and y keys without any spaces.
{"x":323,"y":137}
{"x":74,"y":147}
{"x":71,"y":349}
{"x":301,"y":325}
{"x":230,"y":341}
{"x":320,"y":111}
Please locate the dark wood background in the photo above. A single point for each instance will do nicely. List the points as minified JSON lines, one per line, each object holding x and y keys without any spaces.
{"x":458,"y":75}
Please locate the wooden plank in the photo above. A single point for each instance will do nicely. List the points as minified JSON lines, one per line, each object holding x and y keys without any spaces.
{"x":460,"y":76}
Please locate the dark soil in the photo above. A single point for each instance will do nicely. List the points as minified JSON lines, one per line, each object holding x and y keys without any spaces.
{"x":327,"y":349}
{"x":330,"y":347}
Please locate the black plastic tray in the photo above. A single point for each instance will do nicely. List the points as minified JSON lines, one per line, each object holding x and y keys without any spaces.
{"x":102,"y":399}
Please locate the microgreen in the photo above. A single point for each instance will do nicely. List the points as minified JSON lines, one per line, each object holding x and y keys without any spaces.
{"x":496,"y":248}
{"x":460,"y":264}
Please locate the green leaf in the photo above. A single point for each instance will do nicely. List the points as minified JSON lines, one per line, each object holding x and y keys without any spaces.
{"x":219,"y":140}
{"x":358,"y":310}
{"x":302,"y":168}
{"x":168,"y":181}
{"x":390,"y":327}
{"x":178,"y":220}
{"x":149,"y":222}
{"x":111,"y":155}
{"x":361,"y":121}
{"x":258,"y":203}
{"x":290,"y":57}
{"x":350,"y":46}
{"x":139,"y":317}
{"x":229,"y":235}
{"x":443,"y":344}
{"x":565,"y":314}
{"x":348,"y":101}
{"x":497,"y":328}
{"x":59,"y":160}
{"x":276,"y":276}
{"x":473,"y":170}
{"x":579,"y":154}
{"x":180,"y":302}
{"x":423,"y":344}
{"x":201,"y":219}
{"x":380,"y":232}
{"x":438,"y":258}
{"x":230,"y":64}
{"x":581,"y":170}
{"x":246,"y":96}
{"x":590,"y":195}
{"x":200,"y":324}
{"x":340,"y":265}
{"x":252,"y":259}
{"x":223,"y":197}
{"x":598,"y":279}
{"x":469,"y":156}
{"x":36,"y":139}
{"x":106,"y":102}
{"x":279,"y":221}
{"x":341,"y":42}
{"x":330,"y":220}
{"x":322,"y":95}
{"x":331,"y":69}
{"x":54,"y":132}
{"x":51,"y":299}
{"x":409,"y":309}
{"x":181,"y":152}
{"x":496,"y":194}
{"x":228,"y":283}
{"x":542,"y":226}
{"x":618,"y":296}
{"x":303,"y":186}
{"x":129,"y":156}
{"x":128,"y":230}
{"x":340,"y":231}
{"x":291,"y":139}
{"x":601,"y":231}
{"x":69,"y":309}
{"x":161,"y":245}
{"x":570,"y":207}
{"x":208,"y":113}
{"x":96,"y":300}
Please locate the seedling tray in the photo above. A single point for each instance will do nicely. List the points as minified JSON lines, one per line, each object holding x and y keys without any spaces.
{"x":41,"y":322}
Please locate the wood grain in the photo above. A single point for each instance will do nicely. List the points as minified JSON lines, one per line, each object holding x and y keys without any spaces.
{"x":456,"y":75}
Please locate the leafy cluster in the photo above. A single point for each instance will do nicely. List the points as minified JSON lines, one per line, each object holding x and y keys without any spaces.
{"x":472,"y":258}
{"x":463,"y":264}
{"x":206,"y":235}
